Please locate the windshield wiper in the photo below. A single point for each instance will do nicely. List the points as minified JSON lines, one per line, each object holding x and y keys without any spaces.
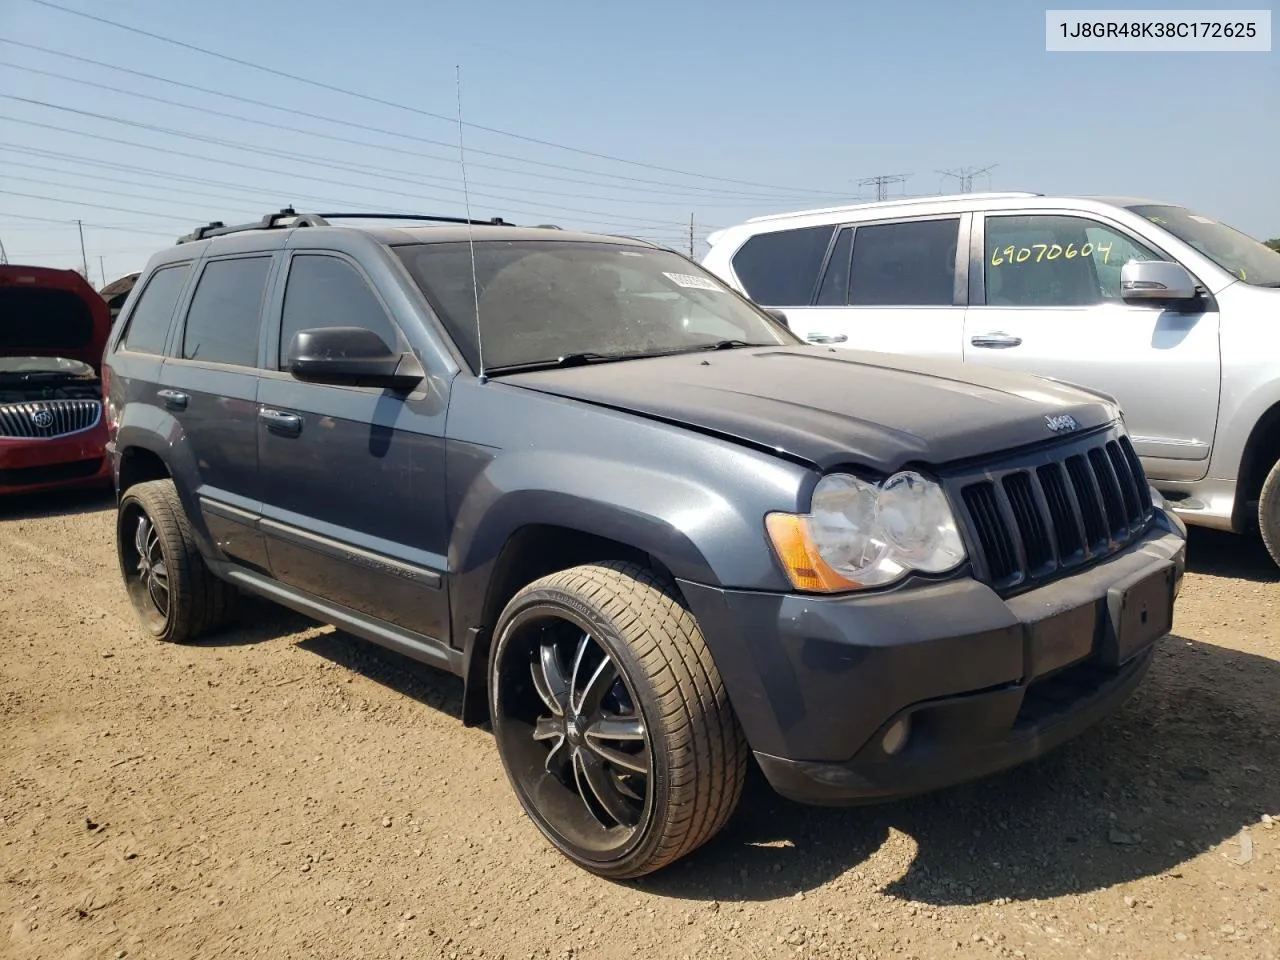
{"x":567,"y":360}
{"x":732,"y":344}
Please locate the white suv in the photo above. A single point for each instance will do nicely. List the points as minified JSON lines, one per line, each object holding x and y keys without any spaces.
{"x":1173,"y":313}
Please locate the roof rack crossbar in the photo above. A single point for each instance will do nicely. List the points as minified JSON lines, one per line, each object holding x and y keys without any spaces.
{"x":289,"y":217}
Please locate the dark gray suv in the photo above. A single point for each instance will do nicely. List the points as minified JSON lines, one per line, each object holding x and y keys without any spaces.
{"x":655,"y":533}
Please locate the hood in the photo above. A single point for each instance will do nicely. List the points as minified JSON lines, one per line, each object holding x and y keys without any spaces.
{"x":829,"y":407}
{"x":51,"y":313}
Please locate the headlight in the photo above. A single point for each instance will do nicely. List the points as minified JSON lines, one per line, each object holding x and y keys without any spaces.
{"x":859,"y":534}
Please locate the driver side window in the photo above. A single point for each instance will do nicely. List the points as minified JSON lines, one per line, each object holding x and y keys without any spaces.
{"x":326,"y":291}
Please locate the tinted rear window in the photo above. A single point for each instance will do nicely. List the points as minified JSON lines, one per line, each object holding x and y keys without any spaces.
{"x":904,"y":264}
{"x":780,"y":269}
{"x":149,"y":322}
{"x":226,"y":312}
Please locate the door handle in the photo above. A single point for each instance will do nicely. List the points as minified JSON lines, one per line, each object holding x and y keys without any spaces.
{"x":999,"y":340}
{"x":173,"y":399}
{"x":277,"y":421}
{"x":826,"y":337}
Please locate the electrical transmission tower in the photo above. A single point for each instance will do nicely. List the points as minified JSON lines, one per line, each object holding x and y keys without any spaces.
{"x":966,"y":174}
{"x":883,"y":181}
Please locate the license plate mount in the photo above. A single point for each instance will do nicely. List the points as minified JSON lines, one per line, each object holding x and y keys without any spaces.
{"x":1139,"y":612}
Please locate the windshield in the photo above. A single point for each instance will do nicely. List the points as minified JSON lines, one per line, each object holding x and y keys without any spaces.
{"x":44,"y":365}
{"x":544,"y":300}
{"x":1235,"y":252}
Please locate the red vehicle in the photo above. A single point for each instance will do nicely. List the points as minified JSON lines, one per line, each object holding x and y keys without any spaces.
{"x":53,"y":328}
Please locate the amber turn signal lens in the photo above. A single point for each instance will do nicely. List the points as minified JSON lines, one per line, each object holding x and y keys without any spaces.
{"x":800,"y":558}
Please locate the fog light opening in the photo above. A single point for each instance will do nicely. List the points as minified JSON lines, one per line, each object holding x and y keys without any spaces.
{"x":895,"y":738}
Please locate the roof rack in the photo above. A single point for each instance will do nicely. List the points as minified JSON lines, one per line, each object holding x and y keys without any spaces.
{"x":289,"y":218}
{"x":899,"y":202}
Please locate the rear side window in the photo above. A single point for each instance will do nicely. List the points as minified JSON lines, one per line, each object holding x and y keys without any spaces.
{"x":904,"y":264}
{"x":325,"y":291}
{"x":780,"y":269}
{"x":149,"y":322}
{"x":226,"y":312}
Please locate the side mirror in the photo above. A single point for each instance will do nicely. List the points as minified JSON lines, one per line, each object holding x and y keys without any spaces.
{"x":350,"y":356}
{"x":1156,"y":280}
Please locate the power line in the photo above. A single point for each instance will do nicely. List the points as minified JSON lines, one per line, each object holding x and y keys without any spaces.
{"x":96,"y":206}
{"x":123,"y":228}
{"x":391,"y":103}
{"x":361,"y":169}
{"x":645,"y":184}
{"x":119,"y":193}
{"x":350,"y":166}
{"x":272,"y":125}
{"x":367,"y":205}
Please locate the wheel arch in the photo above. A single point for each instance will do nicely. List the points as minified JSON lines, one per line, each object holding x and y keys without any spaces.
{"x":1261,"y":452}
{"x":531,"y":551}
{"x":138,"y":465}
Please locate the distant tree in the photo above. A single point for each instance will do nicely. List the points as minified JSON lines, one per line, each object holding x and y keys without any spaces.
{"x":1274,"y":244}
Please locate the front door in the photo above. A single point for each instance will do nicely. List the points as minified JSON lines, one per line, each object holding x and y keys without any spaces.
{"x":353,"y":477}
{"x":1045,"y":299}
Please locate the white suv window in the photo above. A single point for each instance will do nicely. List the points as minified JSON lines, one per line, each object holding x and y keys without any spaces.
{"x":1043,"y":260}
{"x":910,"y":264}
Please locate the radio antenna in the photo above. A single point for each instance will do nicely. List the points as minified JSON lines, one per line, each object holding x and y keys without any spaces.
{"x":471,"y":243}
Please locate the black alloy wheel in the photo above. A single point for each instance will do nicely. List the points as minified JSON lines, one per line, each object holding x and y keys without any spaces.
{"x":601,"y":748}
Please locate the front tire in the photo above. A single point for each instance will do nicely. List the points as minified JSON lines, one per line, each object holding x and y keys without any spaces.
{"x":611,"y":719}
{"x":1269,"y":512}
{"x":175,"y":596}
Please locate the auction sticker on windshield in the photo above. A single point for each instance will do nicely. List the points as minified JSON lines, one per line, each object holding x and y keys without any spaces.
{"x":692,"y":282}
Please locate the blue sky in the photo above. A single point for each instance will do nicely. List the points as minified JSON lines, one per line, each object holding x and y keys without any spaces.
{"x":789,"y":105}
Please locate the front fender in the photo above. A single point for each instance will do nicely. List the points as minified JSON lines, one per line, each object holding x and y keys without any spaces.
{"x":693,"y":528}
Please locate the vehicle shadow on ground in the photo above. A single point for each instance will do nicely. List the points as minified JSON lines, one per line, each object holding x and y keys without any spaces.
{"x":434,"y":688}
{"x":66,"y":503}
{"x":1216,"y":553}
{"x":256,"y":620}
{"x":1186,"y":764}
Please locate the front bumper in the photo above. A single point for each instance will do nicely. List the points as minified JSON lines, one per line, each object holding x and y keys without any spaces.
{"x":986,"y":682}
{"x":75,"y":460}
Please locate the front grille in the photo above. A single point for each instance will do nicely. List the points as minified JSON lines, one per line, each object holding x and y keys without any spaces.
{"x":1061,"y":508}
{"x":39,"y":419}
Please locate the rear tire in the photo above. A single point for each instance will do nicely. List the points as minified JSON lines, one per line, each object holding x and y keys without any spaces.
{"x":175,"y":596}
{"x":1269,"y":512}
{"x":611,"y":719}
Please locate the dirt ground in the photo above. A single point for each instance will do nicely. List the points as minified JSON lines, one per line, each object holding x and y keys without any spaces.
{"x":284,"y":790}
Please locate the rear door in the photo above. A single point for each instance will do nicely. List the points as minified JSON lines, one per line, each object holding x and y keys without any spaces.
{"x":354,"y":498}
{"x":894,"y":287}
{"x":1045,"y":299}
{"x":209,"y":385}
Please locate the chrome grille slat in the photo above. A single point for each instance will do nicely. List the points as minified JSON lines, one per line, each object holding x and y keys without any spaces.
{"x":65,"y":417}
{"x":1033,"y":518}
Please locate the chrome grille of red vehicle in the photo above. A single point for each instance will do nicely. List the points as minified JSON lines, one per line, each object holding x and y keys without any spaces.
{"x":1058,"y":509}
{"x":40,"y":419}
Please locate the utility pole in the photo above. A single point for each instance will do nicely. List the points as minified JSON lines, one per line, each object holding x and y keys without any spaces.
{"x":4,"y":257}
{"x":102,"y":268}
{"x":882,"y":181}
{"x":691,"y":236}
{"x":84,"y":257}
{"x":966,"y":174}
